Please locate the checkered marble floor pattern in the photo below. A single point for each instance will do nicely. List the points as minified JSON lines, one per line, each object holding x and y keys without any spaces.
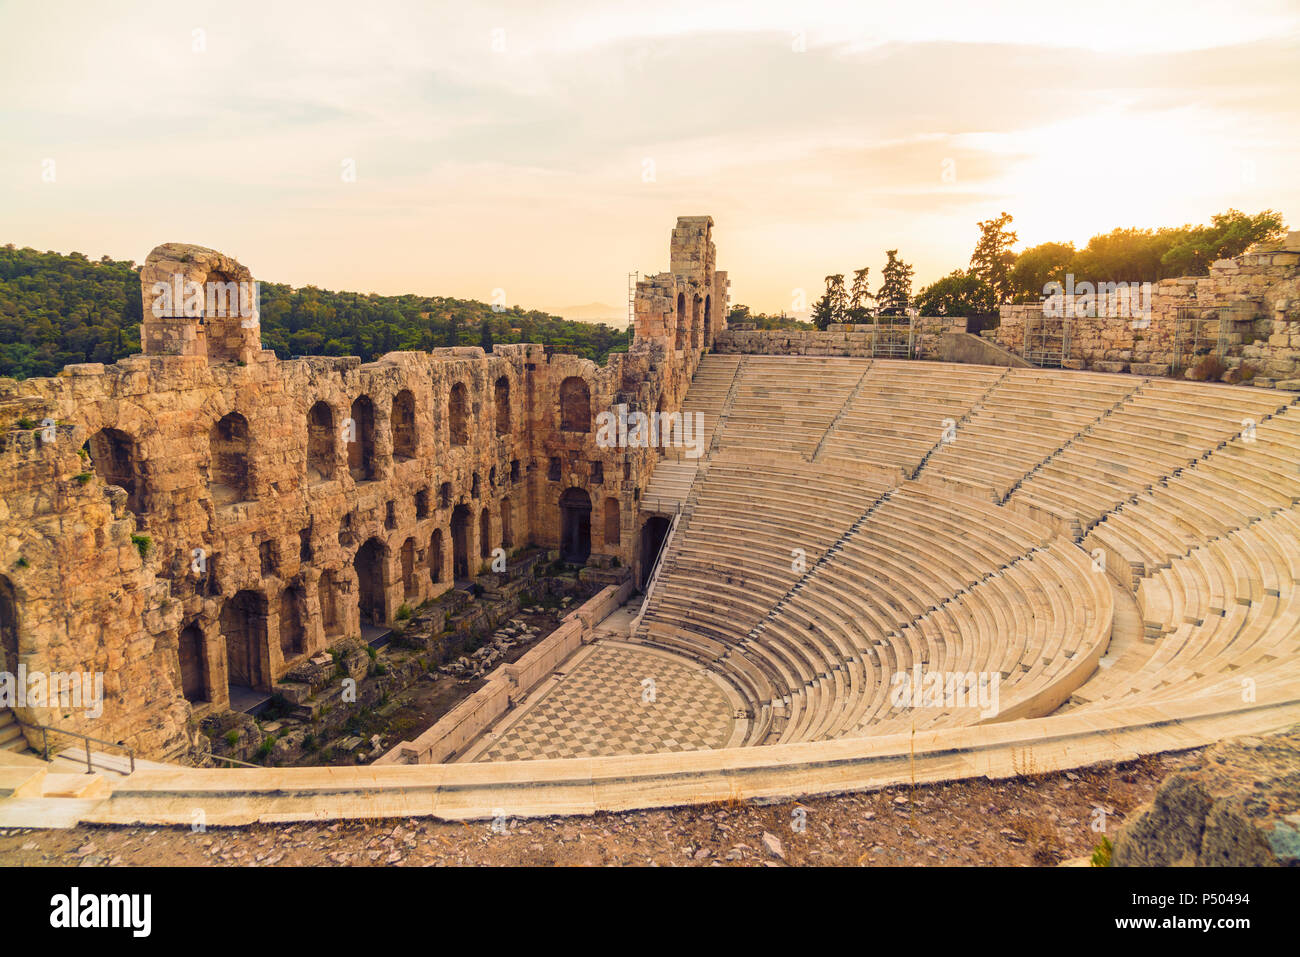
{"x":597,"y":709}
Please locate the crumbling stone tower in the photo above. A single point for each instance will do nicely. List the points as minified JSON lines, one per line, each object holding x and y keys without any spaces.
{"x":198,"y":302}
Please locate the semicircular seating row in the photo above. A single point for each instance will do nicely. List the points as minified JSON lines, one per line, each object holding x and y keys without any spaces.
{"x":811,"y":574}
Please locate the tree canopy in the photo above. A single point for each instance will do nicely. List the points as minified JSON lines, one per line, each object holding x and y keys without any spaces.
{"x":58,"y":309}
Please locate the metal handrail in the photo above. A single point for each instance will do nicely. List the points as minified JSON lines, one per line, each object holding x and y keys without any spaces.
{"x":45,"y":730}
{"x":245,"y":764}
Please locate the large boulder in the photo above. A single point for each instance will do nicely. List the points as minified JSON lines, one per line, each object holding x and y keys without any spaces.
{"x":1236,"y":804}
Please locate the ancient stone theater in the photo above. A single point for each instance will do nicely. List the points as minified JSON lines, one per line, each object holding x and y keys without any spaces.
{"x":877,"y":554}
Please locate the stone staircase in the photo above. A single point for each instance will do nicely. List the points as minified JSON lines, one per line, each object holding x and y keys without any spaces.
{"x":11,"y":735}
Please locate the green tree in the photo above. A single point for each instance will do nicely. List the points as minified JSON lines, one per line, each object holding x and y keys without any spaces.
{"x":861,"y":302}
{"x":957,"y":294}
{"x":1037,"y":266}
{"x":895,"y":293}
{"x":832,"y":307}
{"x":992,"y":259}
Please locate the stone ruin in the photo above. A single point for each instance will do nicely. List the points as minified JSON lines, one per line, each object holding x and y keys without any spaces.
{"x":1247,"y":308}
{"x":200,"y":519}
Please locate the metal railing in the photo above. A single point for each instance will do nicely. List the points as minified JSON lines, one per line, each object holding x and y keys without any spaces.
{"x":45,"y":730}
{"x":242,"y":764}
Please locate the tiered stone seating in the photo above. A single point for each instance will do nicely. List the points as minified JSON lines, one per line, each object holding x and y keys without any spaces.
{"x":787,"y":404}
{"x":707,"y":394}
{"x":897,"y":416}
{"x":1228,"y":610}
{"x":1233,"y":486}
{"x":1161,"y":428}
{"x":1026,"y":419}
{"x":972,"y":567}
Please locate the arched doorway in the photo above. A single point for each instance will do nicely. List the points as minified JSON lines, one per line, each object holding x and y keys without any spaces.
{"x":653,"y":533}
{"x":680,"y":342}
{"x":409,"y":586}
{"x":460,"y":542}
{"x":575,"y":526}
{"x":369,"y":565}
{"x":194,"y":683}
{"x":484,"y":533}
{"x":708,"y":320}
{"x":243,"y":625}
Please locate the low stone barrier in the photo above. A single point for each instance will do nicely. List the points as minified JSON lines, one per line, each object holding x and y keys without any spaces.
{"x":508,"y":684}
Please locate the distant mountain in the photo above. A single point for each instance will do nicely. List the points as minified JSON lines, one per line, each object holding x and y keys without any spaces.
{"x":615,"y":316}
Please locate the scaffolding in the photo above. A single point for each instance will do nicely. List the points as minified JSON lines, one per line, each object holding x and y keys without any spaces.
{"x":632,"y":278}
{"x":1194,"y":336}
{"x":1047,"y":340}
{"x":893,"y":337}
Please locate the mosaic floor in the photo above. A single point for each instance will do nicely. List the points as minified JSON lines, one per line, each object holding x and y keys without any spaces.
{"x":603,"y":704}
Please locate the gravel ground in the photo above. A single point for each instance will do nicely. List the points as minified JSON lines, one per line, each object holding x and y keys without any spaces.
{"x":1033,"y":820}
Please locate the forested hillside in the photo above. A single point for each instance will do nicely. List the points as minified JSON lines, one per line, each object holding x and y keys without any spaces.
{"x":58,"y":309}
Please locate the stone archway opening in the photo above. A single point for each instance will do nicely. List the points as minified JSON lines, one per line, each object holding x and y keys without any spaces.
{"x":113,"y":457}
{"x":575,"y":526}
{"x":653,"y":533}
{"x":293,"y":633}
{"x":460,"y":542}
{"x":320,"y":443}
{"x":502,"y":396}
{"x":575,"y":405}
{"x":361,"y":440}
{"x":403,"y":426}
{"x":708,"y":321}
{"x":458,"y":414}
{"x":435,"y":556}
{"x":410,"y":588}
{"x":484,"y":534}
{"x":680,"y":343}
{"x":243,"y":626}
{"x":8,"y":627}
{"x":369,"y":565}
{"x":194,"y":672}
{"x":228,"y":443}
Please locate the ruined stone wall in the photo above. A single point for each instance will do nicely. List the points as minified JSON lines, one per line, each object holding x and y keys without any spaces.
{"x":204,"y":516}
{"x":837,"y":340}
{"x":1255,"y":298}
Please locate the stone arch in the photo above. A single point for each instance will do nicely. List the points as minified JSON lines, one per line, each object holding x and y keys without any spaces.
{"x":653,"y":533}
{"x":458,"y":414}
{"x":485,"y":533}
{"x":320,"y":443}
{"x":575,"y":405}
{"x":696,"y":305}
{"x":410,"y":587}
{"x":361,"y":440}
{"x":8,"y":627}
{"x":708,"y":321}
{"x":327,"y":595}
{"x":502,"y":401}
{"x":293,"y":632}
{"x":681,"y":322}
{"x":228,"y":444}
{"x":507,"y":524}
{"x":460,"y":541}
{"x":243,"y":626}
{"x":435,"y":556}
{"x":114,"y":459}
{"x":613,"y":532}
{"x":575,"y":526}
{"x":192,"y":655}
{"x":402,"y":422}
{"x":369,"y":566}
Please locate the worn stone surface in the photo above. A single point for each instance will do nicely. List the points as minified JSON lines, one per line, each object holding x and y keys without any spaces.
{"x":1236,"y":804}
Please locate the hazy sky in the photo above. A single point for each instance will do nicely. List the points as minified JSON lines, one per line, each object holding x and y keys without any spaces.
{"x":507,"y":145}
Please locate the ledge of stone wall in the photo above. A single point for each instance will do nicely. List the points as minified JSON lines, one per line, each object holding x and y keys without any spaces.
{"x":846,"y":339}
{"x":509,"y":683}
